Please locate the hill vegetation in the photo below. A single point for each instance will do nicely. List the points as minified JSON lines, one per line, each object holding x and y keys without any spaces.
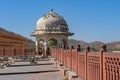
{"x":95,"y":45}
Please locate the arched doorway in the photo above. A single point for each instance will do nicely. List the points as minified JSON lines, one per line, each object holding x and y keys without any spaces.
{"x":41,"y":47}
{"x":52,"y":42}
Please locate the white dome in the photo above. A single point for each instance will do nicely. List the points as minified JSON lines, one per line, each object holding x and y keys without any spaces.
{"x":51,"y":20}
{"x":51,"y":23}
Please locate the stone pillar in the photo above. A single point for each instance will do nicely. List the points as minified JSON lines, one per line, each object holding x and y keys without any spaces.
{"x":45,"y":48}
{"x":72,"y":47}
{"x":37,"y":45}
{"x":87,"y":49}
{"x":103,"y":48}
{"x":78,"y":48}
{"x":86,"y":62}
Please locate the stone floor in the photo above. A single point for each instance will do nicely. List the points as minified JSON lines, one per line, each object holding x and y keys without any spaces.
{"x":38,"y":76}
{"x":53,"y":75}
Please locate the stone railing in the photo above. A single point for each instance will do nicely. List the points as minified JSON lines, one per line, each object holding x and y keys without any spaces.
{"x":90,"y":65}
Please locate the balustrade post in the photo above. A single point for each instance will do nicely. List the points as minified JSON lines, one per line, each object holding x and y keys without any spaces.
{"x":70,"y":59}
{"x":65,"y":58}
{"x":71,"y":65}
{"x":55,"y":53}
{"x":78,"y":48}
{"x":72,"y":47}
{"x":68,"y":48}
{"x":61,"y":56}
{"x":102,"y":50}
{"x":119,"y":73}
{"x":61,"y":53}
{"x":86,"y":63}
{"x":117,"y":69}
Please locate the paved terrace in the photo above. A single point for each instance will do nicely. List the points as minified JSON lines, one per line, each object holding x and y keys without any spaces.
{"x":43,"y":70}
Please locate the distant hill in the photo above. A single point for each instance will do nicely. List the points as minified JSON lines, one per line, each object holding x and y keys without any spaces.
{"x":95,"y":44}
{"x":76,"y":42}
{"x":114,"y":45}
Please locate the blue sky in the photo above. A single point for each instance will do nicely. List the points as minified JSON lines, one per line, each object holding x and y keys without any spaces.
{"x":90,"y":20}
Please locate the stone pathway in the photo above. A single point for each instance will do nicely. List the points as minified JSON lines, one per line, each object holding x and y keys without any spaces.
{"x":50,"y":75}
{"x":47,"y":76}
{"x":27,"y":68}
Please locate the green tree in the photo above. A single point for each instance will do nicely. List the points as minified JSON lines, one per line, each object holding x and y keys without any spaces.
{"x":94,"y":49}
{"x":82,"y":49}
{"x":51,"y":43}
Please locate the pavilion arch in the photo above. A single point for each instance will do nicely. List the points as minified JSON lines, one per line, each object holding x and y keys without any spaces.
{"x":41,"y":46}
{"x":52,"y":42}
{"x":41,"y":40}
{"x":41,"y":43}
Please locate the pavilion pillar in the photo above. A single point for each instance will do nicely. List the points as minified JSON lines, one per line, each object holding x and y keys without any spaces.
{"x":37,"y":47}
{"x":45,"y":48}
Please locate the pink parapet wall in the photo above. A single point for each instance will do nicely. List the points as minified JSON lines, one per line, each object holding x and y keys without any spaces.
{"x":90,"y":65}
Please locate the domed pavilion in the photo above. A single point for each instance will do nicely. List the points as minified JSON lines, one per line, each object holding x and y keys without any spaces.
{"x":51,"y":26}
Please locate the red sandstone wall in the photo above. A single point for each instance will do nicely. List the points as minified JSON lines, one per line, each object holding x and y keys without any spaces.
{"x":90,"y":65}
{"x":17,"y":52}
{"x":10,"y":42}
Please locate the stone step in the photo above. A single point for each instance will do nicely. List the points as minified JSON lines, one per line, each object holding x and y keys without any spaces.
{"x":30,"y":65}
{"x":30,"y":72}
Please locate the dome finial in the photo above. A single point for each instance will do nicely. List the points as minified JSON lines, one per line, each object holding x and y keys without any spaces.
{"x":51,"y":11}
